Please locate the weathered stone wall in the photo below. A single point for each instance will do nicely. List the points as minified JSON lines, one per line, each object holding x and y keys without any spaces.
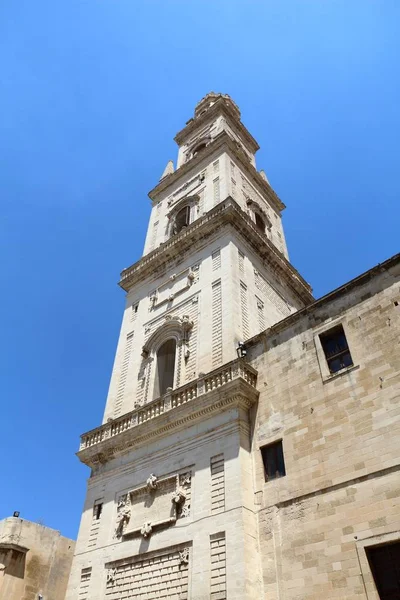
{"x":37,"y":560}
{"x":216,"y":508}
{"x":341,"y":445}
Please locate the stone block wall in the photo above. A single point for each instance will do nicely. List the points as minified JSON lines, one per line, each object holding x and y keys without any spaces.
{"x":340,"y":436}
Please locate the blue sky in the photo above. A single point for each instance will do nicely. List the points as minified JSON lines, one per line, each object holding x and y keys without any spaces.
{"x":92,"y":93}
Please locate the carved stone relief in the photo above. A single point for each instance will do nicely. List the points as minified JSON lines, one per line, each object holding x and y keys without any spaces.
{"x":173,"y":287}
{"x":157,"y":504}
{"x":123,"y":514}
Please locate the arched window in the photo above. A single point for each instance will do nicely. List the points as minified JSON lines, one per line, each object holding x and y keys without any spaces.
{"x":259,"y":222}
{"x":165,"y":367}
{"x":182,"y":220}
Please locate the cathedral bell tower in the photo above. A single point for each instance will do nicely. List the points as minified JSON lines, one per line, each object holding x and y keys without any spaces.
{"x":169,"y":508}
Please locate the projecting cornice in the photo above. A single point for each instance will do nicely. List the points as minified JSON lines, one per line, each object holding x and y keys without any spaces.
{"x":226,"y":214}
{"x":222,"y":141}
{"x":220,"y":107}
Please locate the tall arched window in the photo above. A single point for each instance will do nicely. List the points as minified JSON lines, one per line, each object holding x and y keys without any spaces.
{"x":259,"y":222}
{"x":182,"y":220}
{"x":165,"y":367}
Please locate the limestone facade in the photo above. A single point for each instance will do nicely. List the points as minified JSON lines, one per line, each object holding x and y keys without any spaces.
{"x":178,"y":506}
{"x":35,"y":561}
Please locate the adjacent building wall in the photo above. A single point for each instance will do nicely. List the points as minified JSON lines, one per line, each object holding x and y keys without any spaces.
{"x":35,"y":561}
{"x":340,"y":434}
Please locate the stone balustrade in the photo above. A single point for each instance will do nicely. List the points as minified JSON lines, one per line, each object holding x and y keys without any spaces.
{"x":205,"y":383}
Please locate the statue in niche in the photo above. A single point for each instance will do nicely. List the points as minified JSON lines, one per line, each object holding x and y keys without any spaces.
{"x":123,"y":514}
{"x":151,"y":483}
{"x":146,"y":529}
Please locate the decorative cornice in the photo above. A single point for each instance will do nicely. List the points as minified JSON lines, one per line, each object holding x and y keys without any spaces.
{"x":234,"y":384}
{"x":220,"y":107}
{"x":226,"y":213}
{"x":221,"y":140}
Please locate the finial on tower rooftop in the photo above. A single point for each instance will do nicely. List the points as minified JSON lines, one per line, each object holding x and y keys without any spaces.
{"x":168,"y":169}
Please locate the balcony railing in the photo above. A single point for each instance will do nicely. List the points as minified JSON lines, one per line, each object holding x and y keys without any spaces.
{"x":236,"y":369}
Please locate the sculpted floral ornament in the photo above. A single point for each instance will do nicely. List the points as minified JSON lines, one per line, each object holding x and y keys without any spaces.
{"x":111,"y":573}
{"x":184,"y":556}
{"x":146,"y":529}
{"x":123,"y":514}
{"x":179,"y":496}
{"x":151,"y":483}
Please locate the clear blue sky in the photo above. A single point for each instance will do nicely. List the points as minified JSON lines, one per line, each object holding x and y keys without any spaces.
{"x":92,"y":93}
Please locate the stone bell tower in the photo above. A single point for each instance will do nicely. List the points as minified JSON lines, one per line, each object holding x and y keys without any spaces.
{"x":169,"y":508}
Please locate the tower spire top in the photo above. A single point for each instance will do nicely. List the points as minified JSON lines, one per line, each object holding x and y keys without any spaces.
{"x":210,"y":99}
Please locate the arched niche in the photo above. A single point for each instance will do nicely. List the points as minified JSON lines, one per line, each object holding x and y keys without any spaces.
{"x":171,"y":337}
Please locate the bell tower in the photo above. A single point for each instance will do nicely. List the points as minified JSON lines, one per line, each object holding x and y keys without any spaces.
{"x":171,"y":467}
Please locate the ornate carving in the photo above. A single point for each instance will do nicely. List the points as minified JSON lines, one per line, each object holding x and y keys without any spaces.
{"x":111,"y":573}
{"x":191,"y":277}
{"x":153,"y":300}
{"x":151,"y":483}
{"x":146,"y":529}
{"x":184,"y":556}
{"x":185,"y":479}
{"x":123,"y":514}
{"x":171,"y":297}
{"x":185,"y":512}
{"x":179,"y":496}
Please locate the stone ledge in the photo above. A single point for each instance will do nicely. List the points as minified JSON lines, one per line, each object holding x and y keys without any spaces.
{"x":233,"y":384}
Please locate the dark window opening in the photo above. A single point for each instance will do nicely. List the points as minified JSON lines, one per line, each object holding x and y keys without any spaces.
{"x":385,"y":566}
{"x":274,"y":462}
{"x":336,"y":349}
{"x":182,"y":219}
{"x":165,"y":367}
{"x":97,"y":510}
{"x":260,"y":223}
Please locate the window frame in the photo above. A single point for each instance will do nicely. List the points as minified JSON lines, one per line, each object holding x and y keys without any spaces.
{"x":326,"y":374}
{"x":277,"y":448}
{"x":362,"y":546}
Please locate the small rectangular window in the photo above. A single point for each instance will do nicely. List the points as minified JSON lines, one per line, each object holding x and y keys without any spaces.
{"x":274,"y":462}
{"x":336,"y":349}
{"x":97,"y":510}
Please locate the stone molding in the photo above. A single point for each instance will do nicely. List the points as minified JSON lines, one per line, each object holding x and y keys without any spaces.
{"x":232,"y":385}
{"x":220,"y":107}
{"x":226,"y":213}
{"x":222,"y":140}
